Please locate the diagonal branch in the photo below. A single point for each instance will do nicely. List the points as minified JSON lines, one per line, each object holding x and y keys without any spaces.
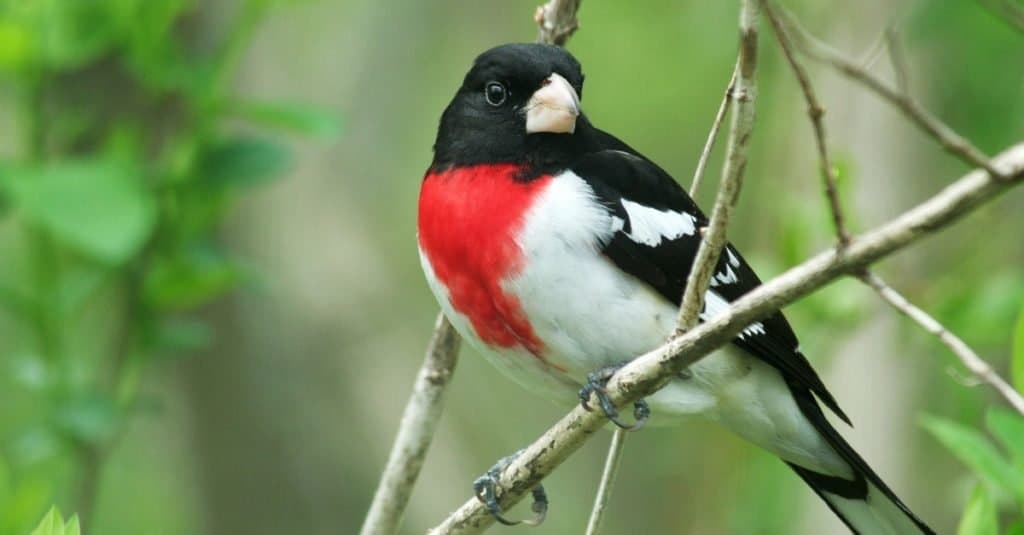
{"x":743,"y":93}
{"x":970,"y":359}
{"x":954,"y":143}
{"x":645,"y":373}
{"x":419,"y":421}
{"x":816,"y":112}
{"x":967,"y":356}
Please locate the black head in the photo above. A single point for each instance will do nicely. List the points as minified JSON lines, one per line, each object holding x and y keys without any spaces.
{"x":519,"y":103}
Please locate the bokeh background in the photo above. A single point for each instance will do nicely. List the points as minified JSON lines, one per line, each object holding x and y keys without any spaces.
{"x":211,"y":308}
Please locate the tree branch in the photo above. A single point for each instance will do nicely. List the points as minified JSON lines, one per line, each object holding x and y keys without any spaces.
{"x":415,"y":432}
{"x":705,"y":155}
{"x":557,"y":21}
{"x":950,"y":140}
{"x":642,"y":376}
{"x":974,"y":363}
{"x":743,"y":93}
{"x":816,"y":113}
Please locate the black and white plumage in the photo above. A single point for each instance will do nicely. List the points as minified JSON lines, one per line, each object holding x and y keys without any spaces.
{"x":556,"y":249}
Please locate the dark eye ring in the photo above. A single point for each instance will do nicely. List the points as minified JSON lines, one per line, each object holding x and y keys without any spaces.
{"x":495,"y":93}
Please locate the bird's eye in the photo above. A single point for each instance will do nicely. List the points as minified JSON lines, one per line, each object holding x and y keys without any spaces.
{"x":495,"y":93}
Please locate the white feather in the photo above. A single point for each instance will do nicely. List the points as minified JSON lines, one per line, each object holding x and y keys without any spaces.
{"x":650,"y":226}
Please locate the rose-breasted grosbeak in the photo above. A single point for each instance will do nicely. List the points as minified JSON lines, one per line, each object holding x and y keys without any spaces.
{"x":556,"y":249}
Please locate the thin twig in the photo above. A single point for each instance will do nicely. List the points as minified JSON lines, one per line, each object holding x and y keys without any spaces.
{"x":419,"y":421}
{"x":970,"y":359}
{"x":816,"y":113}
{"x":874,"y":52}
{"x":645,"y":373}
{"x":705,"y":154}
{"x":898,"y":59}
{"x":951,"y":141}
{"x":604,"y":491}
{"x":744,"y":93}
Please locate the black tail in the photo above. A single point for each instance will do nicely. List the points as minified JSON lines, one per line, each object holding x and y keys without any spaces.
{"x":865,"y":504}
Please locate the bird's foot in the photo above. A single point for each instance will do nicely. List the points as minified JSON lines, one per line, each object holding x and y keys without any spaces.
{"x":485,"y":488}
{"x":596,"y":382}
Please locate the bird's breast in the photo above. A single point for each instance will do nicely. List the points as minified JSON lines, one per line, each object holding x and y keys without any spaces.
{"x":469,"y":220}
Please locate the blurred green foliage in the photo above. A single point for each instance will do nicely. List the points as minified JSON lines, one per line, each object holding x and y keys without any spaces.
{"x":53,"y":524}
{"x":132,"y":149}
{"x":1002,"y":473}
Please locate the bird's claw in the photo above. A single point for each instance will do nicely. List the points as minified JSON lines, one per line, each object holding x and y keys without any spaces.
{"x":485,"y":488}
{"x":595,"y":386}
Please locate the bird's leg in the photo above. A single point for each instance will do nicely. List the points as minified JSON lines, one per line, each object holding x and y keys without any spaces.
{"x":596,"y":382}
{"x":485,"y":488}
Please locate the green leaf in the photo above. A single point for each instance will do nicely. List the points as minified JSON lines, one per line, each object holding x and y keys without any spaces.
{"x":297,"y":117}
{"x":190,"y":279}
{"x":1017,"y":528}
{"x":1017,"y":364}
{"x":1008,"y":427}
{"x":980,"y":516}
{"x":243,"y":161}
{"x":73,"y":527}
{"x":97,"y":207}
{"x":975,"y":450}
{"x":52,"y":523}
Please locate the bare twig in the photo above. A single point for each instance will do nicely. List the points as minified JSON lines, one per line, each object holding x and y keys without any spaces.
{"x":898,"y":59}
{"x":641,"y":376}
{"x":970,"y":359}
{"x":874,"y":52}
{"x":816,"y":112}
{"x":951,"y":141}
{"x":604,"y":491}
{"x":705,"y":154}
{"x":557,"y":21}
{"x":415,"y":432}
{"x":744,"y":93}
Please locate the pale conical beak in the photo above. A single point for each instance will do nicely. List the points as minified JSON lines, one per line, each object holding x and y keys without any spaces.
{"x":553,"y":108}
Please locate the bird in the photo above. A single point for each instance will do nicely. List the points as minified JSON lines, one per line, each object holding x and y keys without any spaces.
{"x":559,"y":253}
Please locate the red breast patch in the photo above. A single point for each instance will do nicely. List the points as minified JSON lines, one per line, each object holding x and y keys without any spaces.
{"x":468,"y":220}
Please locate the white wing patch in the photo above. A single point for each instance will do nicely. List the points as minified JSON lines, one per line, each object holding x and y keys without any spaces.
{"x":715,"y":304}
{"x":725,"y":277}
{"x":733,"y":261}
{"x":650,"y":226}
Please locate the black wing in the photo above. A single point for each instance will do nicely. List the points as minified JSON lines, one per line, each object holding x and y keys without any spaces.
{"x":621,"y":179}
